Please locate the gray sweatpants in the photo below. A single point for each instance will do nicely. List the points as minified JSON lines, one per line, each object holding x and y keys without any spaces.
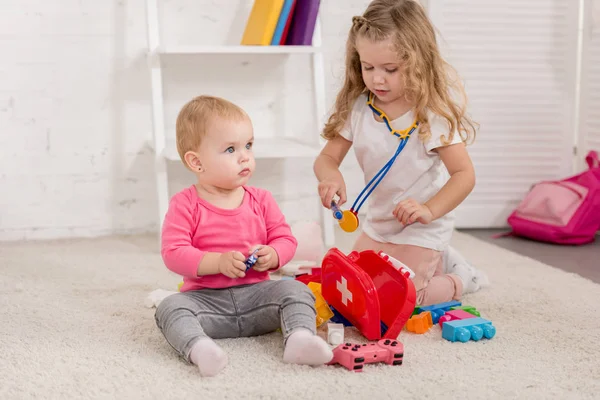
{"x":240,"y":311}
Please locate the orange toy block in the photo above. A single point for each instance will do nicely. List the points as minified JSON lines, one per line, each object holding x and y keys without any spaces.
{"x":419,"y":323}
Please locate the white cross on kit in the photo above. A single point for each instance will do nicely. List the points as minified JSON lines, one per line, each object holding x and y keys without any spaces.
{"x":343,"y":288}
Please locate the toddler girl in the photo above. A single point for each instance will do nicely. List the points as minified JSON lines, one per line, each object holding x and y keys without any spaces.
{"x":210,"y":230}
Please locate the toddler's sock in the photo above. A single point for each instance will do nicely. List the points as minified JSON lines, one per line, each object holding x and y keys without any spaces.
{"x":208,"y":357}
{"x":303,"y":347}
{"x":450,"y":258}
{"x":472,"y":278}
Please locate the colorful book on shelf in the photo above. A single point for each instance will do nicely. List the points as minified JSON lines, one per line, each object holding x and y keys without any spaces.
{"x":283,"y":24}
{"x":303,"y":23}
{"x":262,"y":22}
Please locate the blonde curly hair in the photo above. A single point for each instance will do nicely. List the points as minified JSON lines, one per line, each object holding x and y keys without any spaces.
{"x":429,"y":80}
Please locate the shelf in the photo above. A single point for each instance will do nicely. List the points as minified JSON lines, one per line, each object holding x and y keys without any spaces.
{"x":238,"y":50}
{"x":264,"y":148}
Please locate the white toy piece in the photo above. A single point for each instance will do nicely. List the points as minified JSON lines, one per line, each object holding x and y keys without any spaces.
{"x":335,"y":334}
{"x":156,"y":296}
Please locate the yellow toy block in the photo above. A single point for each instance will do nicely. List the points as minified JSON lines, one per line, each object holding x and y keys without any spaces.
{"x":324,"y":313}
{"x":419,"y":323}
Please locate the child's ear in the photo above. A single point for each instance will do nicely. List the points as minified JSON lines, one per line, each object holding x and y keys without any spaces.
{"x":192,"y":161}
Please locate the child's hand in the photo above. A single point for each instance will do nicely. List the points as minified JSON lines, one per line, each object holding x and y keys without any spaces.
{"x":408,"y":211}
{"x":330,"y":187}
{"x":267,"y":258}
{"x":231,"y":264}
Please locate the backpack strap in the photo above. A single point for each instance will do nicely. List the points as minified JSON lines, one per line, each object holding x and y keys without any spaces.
{"x":592,"y":159}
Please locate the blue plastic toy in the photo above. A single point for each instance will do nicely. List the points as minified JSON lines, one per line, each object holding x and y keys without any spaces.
{"x":251,"y":260}
{"x":337,"y":213}
{"x":464,"y":330}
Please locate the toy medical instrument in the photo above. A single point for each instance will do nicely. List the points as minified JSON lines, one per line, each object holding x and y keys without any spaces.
{"x":348,"y":220}
{"x":251,"y":260}
{"x":337,"y":213}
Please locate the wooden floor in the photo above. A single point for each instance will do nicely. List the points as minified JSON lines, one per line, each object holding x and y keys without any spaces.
{"x":582,"y":260}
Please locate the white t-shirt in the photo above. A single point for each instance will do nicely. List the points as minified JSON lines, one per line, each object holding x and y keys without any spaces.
{"x":417,"y":173}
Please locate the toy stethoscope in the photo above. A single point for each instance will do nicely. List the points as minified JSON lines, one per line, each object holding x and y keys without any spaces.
{"x":348,"y":219}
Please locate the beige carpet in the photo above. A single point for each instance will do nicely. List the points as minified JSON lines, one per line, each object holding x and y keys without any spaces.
{"x":73,"y":325}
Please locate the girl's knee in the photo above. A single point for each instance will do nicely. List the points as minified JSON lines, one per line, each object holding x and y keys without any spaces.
{"x":439,"y":290}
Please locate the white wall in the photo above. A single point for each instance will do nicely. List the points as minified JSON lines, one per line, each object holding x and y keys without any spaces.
{"x":75,"y":111}
{"x":518,"y":61}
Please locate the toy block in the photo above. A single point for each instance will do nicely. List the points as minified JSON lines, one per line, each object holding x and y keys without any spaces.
{"x":324,"y":313}
{"x":469,"y":309}
{"x":454,"y":315}
{"x":335,"y":334}
{"x":468,"y":329}
{"x":419,"y":323}
{"x":437,"y":310}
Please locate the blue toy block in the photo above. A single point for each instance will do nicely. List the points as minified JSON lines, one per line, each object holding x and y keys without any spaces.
{"x":468,"y":329}
{"x":437,"y":310}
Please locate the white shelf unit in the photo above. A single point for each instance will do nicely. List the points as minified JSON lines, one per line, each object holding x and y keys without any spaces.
{"x":275,"y":147}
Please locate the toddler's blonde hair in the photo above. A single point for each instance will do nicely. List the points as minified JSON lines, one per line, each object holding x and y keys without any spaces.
{"x":430,"y":81}
{"x":195,"y":117}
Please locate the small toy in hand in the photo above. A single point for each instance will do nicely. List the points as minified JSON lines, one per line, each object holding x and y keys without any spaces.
{"x":251,"y":260}
{"x":337,"y":213}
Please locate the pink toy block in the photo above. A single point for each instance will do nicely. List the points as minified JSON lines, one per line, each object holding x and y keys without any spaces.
{"x":453,"y":315}
{"x":354,"y":356}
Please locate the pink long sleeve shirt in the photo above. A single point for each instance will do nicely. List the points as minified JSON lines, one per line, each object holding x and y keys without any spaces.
{"x":193,"y":227}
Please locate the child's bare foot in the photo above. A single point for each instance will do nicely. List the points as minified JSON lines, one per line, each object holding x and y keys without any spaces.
{"x":303,"y":347}
{"x":208,"y":356}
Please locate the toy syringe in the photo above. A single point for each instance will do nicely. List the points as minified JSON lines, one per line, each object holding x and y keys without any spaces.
{"x":337,"y":213}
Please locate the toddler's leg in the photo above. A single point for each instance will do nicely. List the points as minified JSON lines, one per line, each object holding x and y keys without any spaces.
{"x":441,"y":287}
{"x":187,"y":320}
{"x":288,"y":304}
{"x":431,"y":284}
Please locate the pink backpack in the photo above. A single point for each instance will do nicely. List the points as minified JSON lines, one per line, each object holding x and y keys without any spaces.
{"x":565,"y":211}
